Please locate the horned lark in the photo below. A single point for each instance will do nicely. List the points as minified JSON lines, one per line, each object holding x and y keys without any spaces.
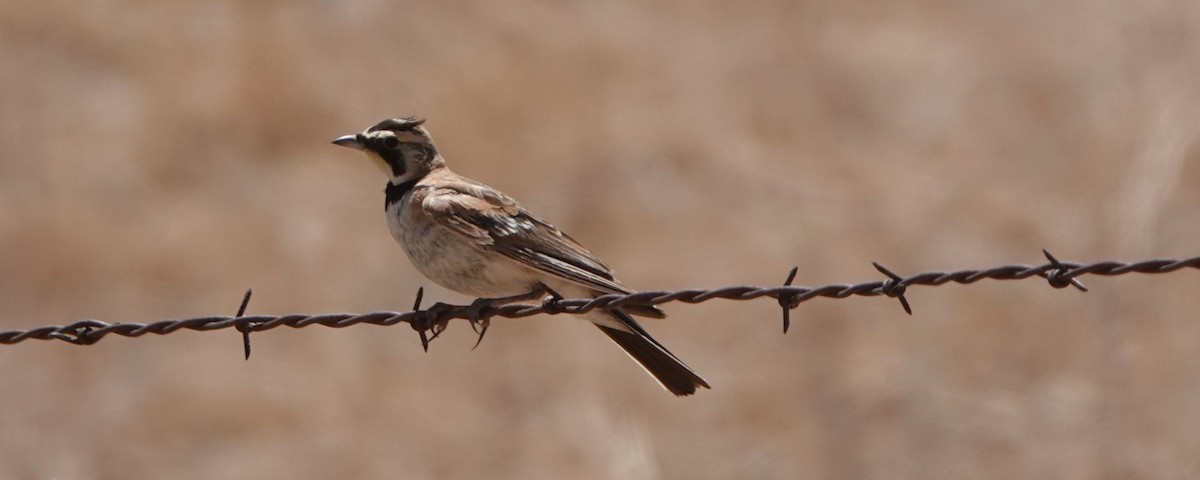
{"x":476,"y":240}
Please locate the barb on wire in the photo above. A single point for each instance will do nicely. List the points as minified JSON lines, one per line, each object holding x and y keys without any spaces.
{"x":894,"y":287}
{"x":1058,"y":275}
{"x":435,"y":319}
{"x":417,"y":308}
{"x":788,"y":301}
{"x":245,"y":329}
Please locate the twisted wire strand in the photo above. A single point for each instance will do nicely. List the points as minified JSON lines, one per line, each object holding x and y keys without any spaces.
{"x":435,"y":318}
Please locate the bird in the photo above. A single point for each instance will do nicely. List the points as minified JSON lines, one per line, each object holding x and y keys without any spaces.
{"x":475,"y":240}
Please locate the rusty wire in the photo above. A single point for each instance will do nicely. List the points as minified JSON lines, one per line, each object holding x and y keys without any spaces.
{"x":435,"y":318}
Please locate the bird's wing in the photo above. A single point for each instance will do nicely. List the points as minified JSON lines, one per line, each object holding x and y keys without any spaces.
{"x":495,"y":222}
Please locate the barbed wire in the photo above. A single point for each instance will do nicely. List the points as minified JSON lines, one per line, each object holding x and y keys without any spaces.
{"x":435,"y":319}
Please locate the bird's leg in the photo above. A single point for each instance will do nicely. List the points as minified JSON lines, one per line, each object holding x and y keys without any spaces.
{"x":480,"y":322}
{"x":537,"y":292}
{"x":475,"y":311}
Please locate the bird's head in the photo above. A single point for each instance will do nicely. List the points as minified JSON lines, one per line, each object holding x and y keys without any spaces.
{"x":401,"y":147}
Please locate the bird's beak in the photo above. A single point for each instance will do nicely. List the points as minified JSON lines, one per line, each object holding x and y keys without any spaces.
{"x":350,"y":141}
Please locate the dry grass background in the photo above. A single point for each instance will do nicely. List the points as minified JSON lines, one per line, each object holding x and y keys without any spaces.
{"x":158,"y":159}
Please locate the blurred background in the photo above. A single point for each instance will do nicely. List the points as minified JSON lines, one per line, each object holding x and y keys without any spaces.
{"x":158,"y":159}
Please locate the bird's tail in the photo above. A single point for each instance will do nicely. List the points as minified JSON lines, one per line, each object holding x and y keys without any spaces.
{"x":652,"y":356}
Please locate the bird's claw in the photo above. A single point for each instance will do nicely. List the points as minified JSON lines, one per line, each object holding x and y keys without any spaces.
{"x":434,"y":321}
{"x":479,"y":321}
{"x":478,"y":314}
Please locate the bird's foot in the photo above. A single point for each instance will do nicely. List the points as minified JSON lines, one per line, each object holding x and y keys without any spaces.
{"x":479,"y":315}
{"x":435,"y":322}
{"x":480,"y":321}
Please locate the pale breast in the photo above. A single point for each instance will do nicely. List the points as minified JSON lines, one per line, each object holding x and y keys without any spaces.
{"x":453,"y":261}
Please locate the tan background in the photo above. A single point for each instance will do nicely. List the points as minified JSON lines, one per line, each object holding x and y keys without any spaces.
{"x":158,"y":159}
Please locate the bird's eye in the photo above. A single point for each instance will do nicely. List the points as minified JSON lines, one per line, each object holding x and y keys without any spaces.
{"x":391,"y":142}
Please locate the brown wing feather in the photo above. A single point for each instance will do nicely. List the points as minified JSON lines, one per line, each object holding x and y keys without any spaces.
{"x":497,"y":223}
